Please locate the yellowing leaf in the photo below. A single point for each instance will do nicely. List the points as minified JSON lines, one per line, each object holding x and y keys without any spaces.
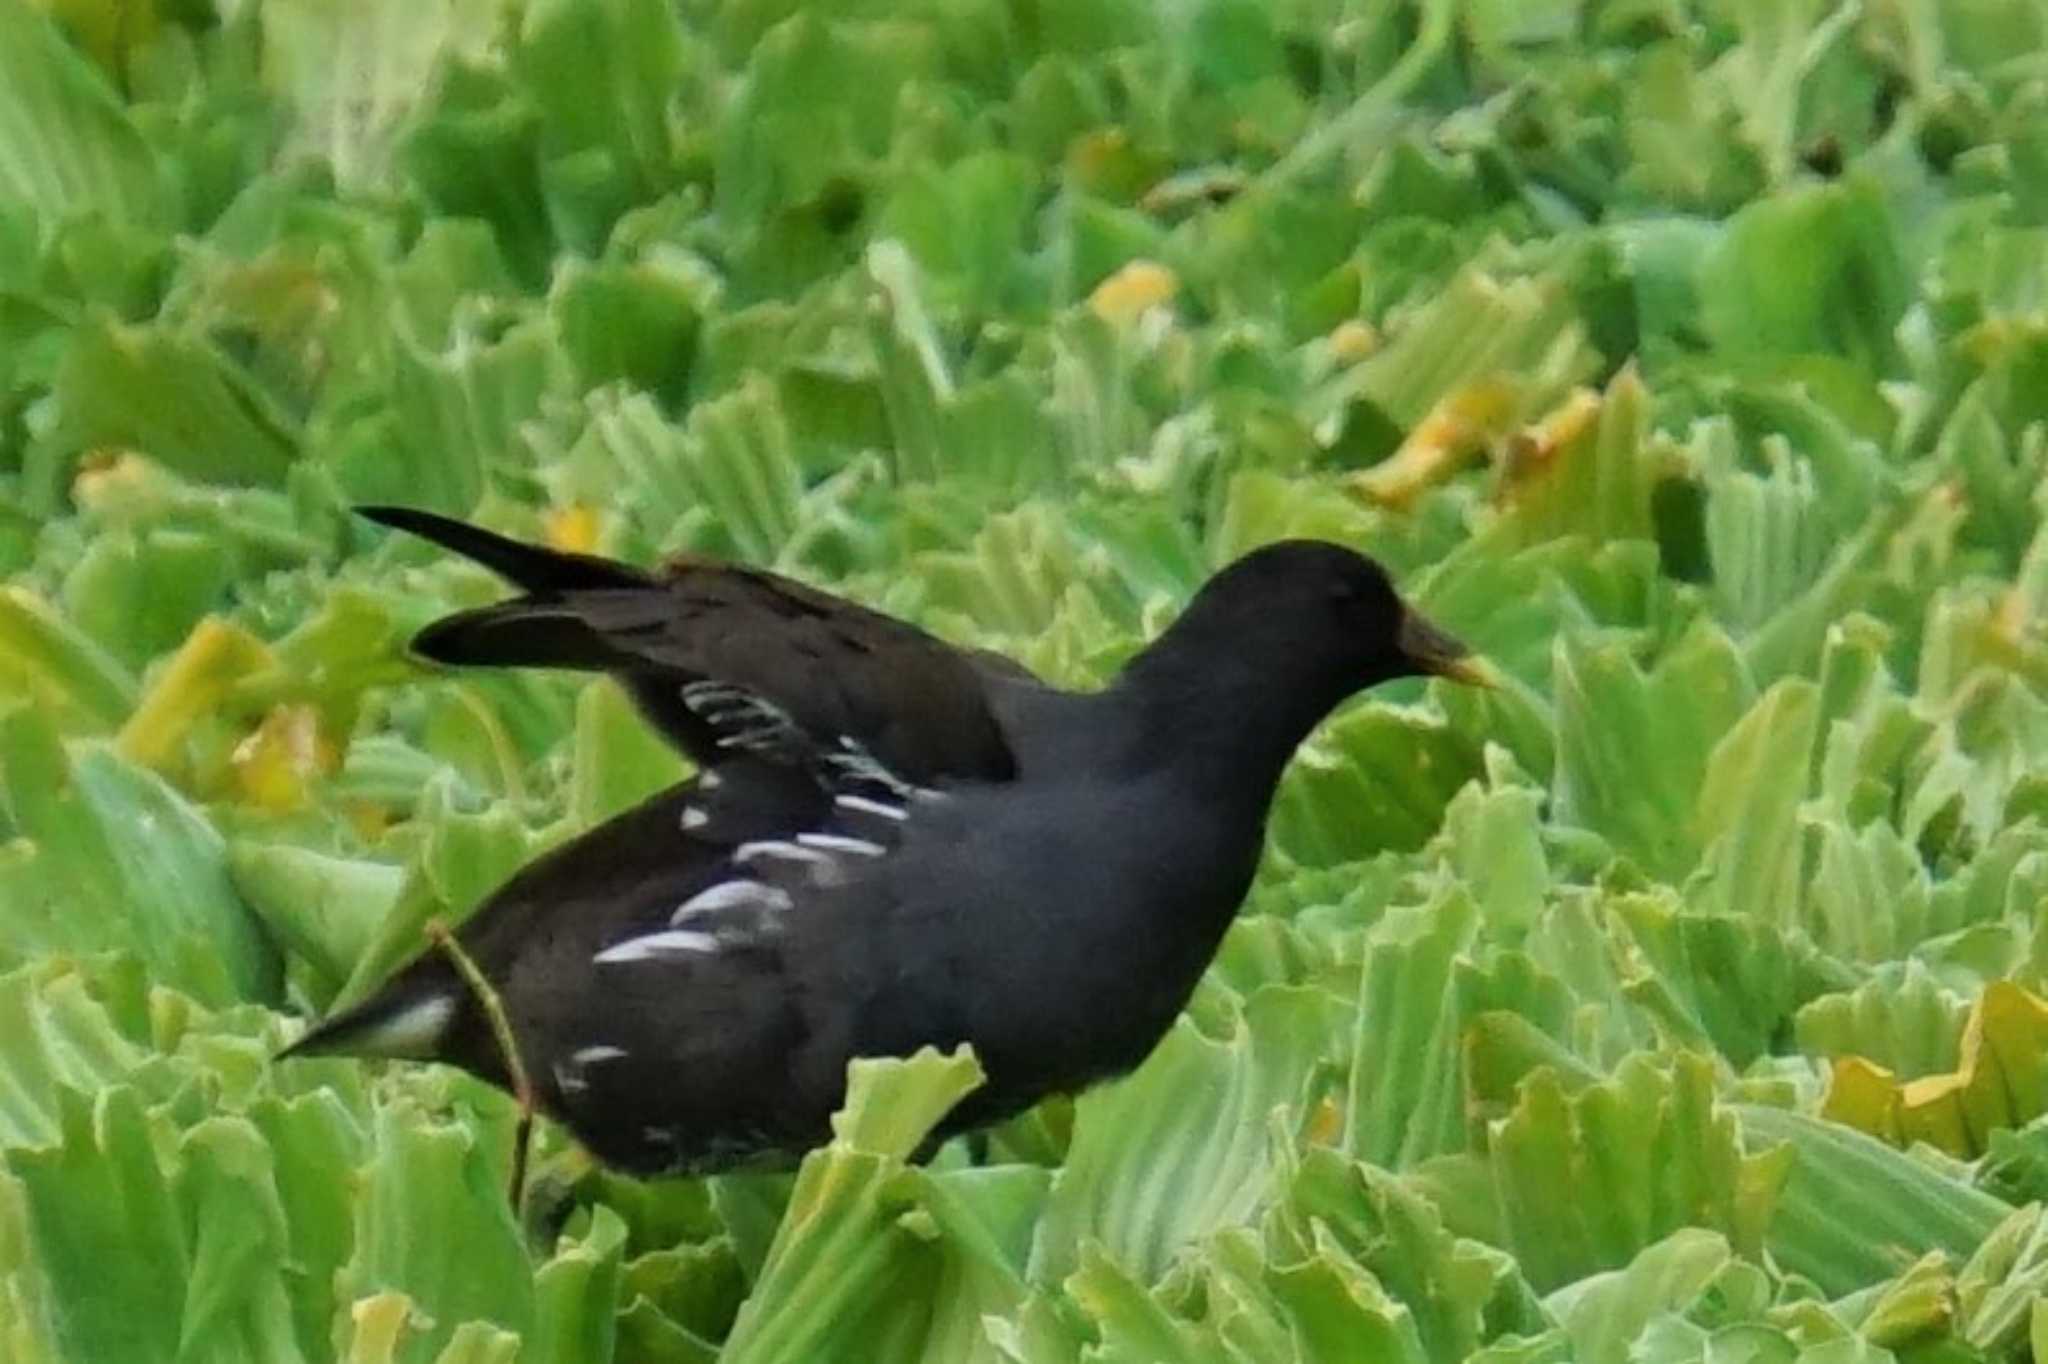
{"x":1105,"y":161}
{"x":1558,"y":428}
{"x":276,"y":765}
{"x":1588,"y":466}
{"x":1998,"y":1082}
{"x":1915,"y":1305}
{"x":103,"y":474}
{"x":1864,"y":1096}
{"x":1352,"y":341}
{"x":1457,"y":428}
{"x":1133,"y":291}
{"x":380,"y":1323}
{"x":574,"y":528}
{"x":191,"y":686}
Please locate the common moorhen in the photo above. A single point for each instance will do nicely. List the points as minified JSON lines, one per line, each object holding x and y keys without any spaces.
{"x":890,"y":842}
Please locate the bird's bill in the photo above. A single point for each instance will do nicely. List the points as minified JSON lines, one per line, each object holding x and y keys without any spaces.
{"x":1439,"y":654}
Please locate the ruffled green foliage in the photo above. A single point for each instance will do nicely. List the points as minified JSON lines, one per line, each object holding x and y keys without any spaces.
{"x":1680,"y":1000}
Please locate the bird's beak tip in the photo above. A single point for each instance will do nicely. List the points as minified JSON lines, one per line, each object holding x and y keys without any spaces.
{"x":1436,"y":653}
{"x":1473,"y":671}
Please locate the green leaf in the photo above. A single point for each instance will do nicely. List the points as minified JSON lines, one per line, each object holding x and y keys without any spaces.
{"x":175,"y":398}
{"x":1813,"y":268}
{"x":1901,"y":1019}
{"x":966,"y":226}
{"x":1714,"y":980}
{"x":1377,"y":777}
{"x":577,"y":1295}
{"x":60,"y":1042}
{"x":235,"y":1300}
{"x":1456,"y":1292}
{"x":1998,"y":1287}
{"x":1519,"y":336}
{"x":1604,"y":1314}
{"x":605,"y":153}
{"x":354,"y":76}
{"x":138,"y":596}
{"x":618,"y":760}
{"x":459,"y":412}
{"x":326,"y":910}
{"x":463,"y":858}
{"x":1336,"y":1308}
{"x":816,"y":102}
{"x":737,"y":460}
{"x":1184,"y":1145}
{"x":1587,"y":1181}
{"x":1634,"y":748}
{"x":45,"y":659}
{"x":108,"y":1231}
{"x":1492,"y":840}
{"x":1402,"y":1101}
{"x":311,"y":1136}
{"x":1766,"y":538}
{"x":891,"y":1104}
{"x":94,"y":885}
{"x":433,"y":1223}
{"x":1748,"y":810}
{"x":852,"y":1265}
{"x":67,"y":147}
{"x":635,"y":324}
{"x":1855,"y":1211}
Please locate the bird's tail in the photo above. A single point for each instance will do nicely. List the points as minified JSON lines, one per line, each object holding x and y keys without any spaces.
{"x":573,"y":608}
{"x":535,"y":568}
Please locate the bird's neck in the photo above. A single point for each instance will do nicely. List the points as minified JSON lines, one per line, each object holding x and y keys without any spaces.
{"x":1225,"y":725}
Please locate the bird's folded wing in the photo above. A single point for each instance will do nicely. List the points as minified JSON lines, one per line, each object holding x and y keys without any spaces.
{"x":831,"y":667}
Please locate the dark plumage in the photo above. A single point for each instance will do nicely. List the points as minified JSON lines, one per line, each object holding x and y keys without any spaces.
{"x":891,"y":842}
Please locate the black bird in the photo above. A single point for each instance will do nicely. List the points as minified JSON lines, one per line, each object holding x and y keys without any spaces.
{"x":890,"y":842}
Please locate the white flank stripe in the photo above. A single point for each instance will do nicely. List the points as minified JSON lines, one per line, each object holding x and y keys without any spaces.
{"x":708,"y":693}
{"x":655,"y":946}
{"x":591,"y":1055}
{"x":840,"y":843}
{"x":731,"y":895}
{"x":775,"y":847}
{"x":871,"y":807}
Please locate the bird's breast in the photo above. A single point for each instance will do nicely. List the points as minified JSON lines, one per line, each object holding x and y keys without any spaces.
{"x":1059,"y":931}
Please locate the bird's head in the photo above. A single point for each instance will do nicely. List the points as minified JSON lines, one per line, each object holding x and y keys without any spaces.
{"x":1326,"y":612}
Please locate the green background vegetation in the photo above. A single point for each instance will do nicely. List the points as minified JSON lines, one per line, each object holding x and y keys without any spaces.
{"x":1680,"y":1001}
